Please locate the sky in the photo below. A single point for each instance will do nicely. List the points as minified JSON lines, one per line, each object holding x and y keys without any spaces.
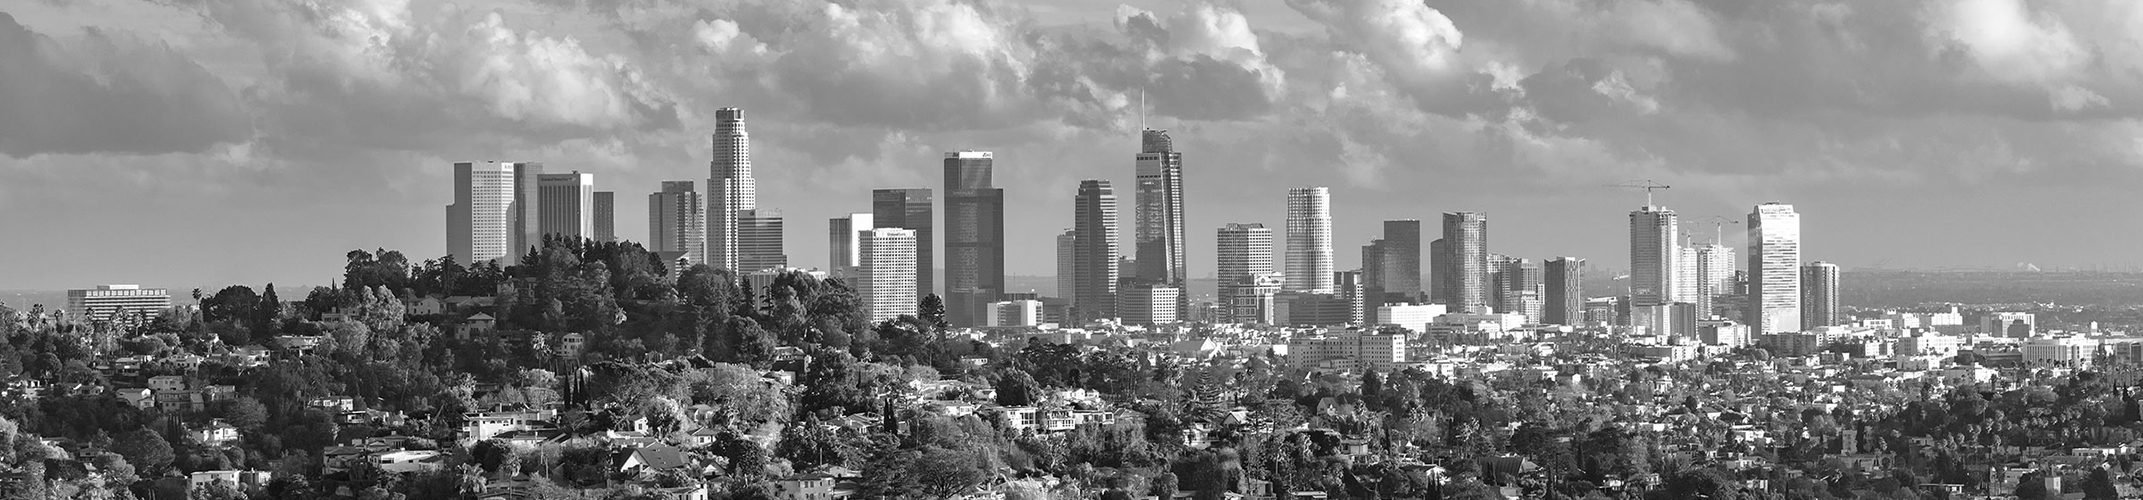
{"x":198,"y":143}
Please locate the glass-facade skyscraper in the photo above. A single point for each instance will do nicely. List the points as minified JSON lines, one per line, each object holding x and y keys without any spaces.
{"x":1819,"y":294}
{"x":910,"y":209}
{"x":731,"y":191}
{"x":1465,"y":244}
{"x":1774,"y":270}
{"x":1095,"y":256}
{"x":1309,"y":240}
{"x":974,"y":232}
{"x":1157,"y":221}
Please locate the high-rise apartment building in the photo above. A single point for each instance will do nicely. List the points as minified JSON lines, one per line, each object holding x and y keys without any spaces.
{"x":1391,"y":265}
{"x":910,"y":209}
{"x":568,"y":204}
{"x":1309,"y":240}
{"x":1466,"y":262}
{"x":1819,"y":294}
{"x":1094,"y":280}
{"x":1564,"y":300}
{"x":1654,"y":256}
{"x":844,"y":244}
{"x":1157,"y":221}
{"x":759,"y":240}
{"x":1774,"y":270}
{"x":1245,"y":256}
{"x":731,"y":191}
{"x":1441,"y":270}
{"x":1349,"y":287}
{"x":1067,"y":263}
{"x":974,"y":231}
{"x":496,"y":211}
{"x":1521,"y":286}
{"x":1714,"y":276}
{"x":887,"y":287}
{"x":676,"y":222}
{"x":606,"y":216}
{"x":106,"y":302}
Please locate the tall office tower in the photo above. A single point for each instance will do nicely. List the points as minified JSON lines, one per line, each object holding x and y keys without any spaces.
{"x":1499,"y":266}
{"x":844,"y":244}
{"x":568,"y":204}
{"x":106,"y":302}
{"x":1774,"y":270}
{"x":1245,"y":252}
{"x":1654,"y":256}
{"x":1714,"y":276}
{"x":1440,"y":271}
{"x":1349,"y":287}
{"x":1466,"y":248}
{"x":676,"y":222}
{"x":1391,"y":266}
{"x":1067,"y":263}
{"x":1157,"y":226}
{"x":606,"y":216}
{"x":1685,"y":272}
{"x":910,"y":209}
{"x":974,"y":238}
{"x":1564,"y":298}
{"x":887,"y":287}
{"x":496,"y":211}
{"x":1520,"y":287}
{"x":759,"y":240}
{"x":1094,"y":281}
{"x":1819,"y":294}
{"x":1309,"y":240}
{"x":730,"y":190}
{"x":1147,"y":303}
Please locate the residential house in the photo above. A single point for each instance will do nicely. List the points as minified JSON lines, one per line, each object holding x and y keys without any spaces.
{"x":401,"y":461}
{"x":216,"y":433}
{"x":161,"y":383}
{"x":248,"y":479}
{"x":806,"y":486}
{"x":656,"y":457}
{"x":138,"y":397}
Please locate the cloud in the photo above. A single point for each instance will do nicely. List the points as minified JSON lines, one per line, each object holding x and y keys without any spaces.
{"x":103,"y":92}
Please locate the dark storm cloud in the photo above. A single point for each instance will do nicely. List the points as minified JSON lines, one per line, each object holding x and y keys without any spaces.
{"x":100,"y":92}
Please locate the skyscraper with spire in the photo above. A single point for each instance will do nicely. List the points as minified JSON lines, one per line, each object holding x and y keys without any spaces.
{"x":1774,"y":270}
{"x":1094,"y":229}
{"x":731,"y":192}
{"x":1309,"y":240}
{"x":1157,"y":230}
{"x":974,"y":231}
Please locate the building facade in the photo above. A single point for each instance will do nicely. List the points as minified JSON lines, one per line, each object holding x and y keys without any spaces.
{"x":887,"y":287}
{"x":1157,"y":229}
{"x":1095,"y":257}
{"x":974,"y":231}
{"x":568,"y":204}
{"x":106,"y":302}
{"x":1147,"y":303}
{"x":1465,"y":262}
{"x":1309,"y":240}
{"x":1563,"y":300}
{"x":844,"y":244}
{"x":1655,"y":257}
{"x":910,"y":209}
{"x":759,"y":241}
{"x":1819,"y":294}
{"x":1774,"y":270}
{"x":1714,"y":278}
{"x":1391,"y":265}
{"x":1245,"y":253}
{"x":606,"y":216}
{"x":496,"y":211}
{"x":676,"y":223}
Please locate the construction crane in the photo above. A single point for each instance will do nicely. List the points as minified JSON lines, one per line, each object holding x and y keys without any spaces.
{"x":1645,"y":184}
{"x":1718,"y":225}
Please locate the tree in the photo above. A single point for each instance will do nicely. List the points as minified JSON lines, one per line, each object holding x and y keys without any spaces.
{"x":245,"y":413}
{"x":144,"y":448}
{"x":1016,"y":388}
{"x":932,"y":311}
{"x":2032,"y":486}
{"x":2100,"y":486}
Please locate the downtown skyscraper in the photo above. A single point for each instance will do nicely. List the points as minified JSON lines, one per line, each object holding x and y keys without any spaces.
{"x":676,"y":221}
{"x":1714,"y":276}
{"x":1774,"y":270}
{"x":732,"y":194}
{"x":887,"y":285}
{"x":1157,"y":220}
{"x":606,"y":216}
{"x":910,"y":209}
{"x":1391,"y":265}
{"x":1245,"y":273}
{"x":1819,"y":294}
{"x":1095,"y":253}
{"x":1464,"y":263}
{"x":496,"y":211}
{"x":844,"y":242}
{"x":1564,"y":301}
{"x":1655,"y":257}
{"x":568,"y":204}
{"x":1309,"y":240}
{"x":974,"y":231}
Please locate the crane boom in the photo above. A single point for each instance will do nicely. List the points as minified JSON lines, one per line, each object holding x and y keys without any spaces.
{"x":1645,"y":184}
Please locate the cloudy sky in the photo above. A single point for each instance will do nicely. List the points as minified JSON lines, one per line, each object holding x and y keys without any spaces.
{"x":194,"y":143}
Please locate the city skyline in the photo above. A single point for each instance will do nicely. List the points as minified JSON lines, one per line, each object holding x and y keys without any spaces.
{"x":217,"y":121}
